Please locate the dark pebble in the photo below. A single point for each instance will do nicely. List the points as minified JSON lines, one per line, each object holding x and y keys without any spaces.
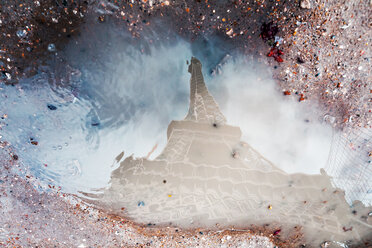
{"x":101,"y":18}
{"x":51,"y":107}
{"x":300,"y":60}
{"x":34,"y":142}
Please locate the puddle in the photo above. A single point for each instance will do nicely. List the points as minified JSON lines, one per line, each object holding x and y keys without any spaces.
{"x":207,"y":176}
{"x":120,"y":97}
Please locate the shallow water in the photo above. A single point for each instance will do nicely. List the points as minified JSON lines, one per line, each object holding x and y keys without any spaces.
{"x":120,"y":94}
{"x":207,"y":176}
{"x":124,"y":88}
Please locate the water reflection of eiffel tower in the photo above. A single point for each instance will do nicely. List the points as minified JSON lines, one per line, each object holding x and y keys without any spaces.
{"x":206,"y":175}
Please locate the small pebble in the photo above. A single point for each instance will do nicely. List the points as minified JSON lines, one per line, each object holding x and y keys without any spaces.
{"x":51,"y":47}
{"x":305,"y":4}
{"x":51,"y":107}
{"x":21,"y":33}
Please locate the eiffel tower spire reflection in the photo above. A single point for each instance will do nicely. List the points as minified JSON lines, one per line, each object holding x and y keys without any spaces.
{"x":207,"y":175}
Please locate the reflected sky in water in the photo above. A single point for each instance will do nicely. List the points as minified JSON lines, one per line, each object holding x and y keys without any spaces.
{"x":119,"y":94}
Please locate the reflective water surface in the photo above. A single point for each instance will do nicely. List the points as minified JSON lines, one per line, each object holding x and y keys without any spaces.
{"x":118,"y":94}
{"x":121,"y":96}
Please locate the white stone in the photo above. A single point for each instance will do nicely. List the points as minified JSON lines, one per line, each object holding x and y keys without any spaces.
{"x":305,"y":4}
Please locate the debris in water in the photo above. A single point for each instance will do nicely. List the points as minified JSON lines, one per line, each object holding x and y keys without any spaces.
{"x":34,"y":142}
{"x":51,"y":47}
{"x":51,"y":107}
{"x":21,"y":33}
